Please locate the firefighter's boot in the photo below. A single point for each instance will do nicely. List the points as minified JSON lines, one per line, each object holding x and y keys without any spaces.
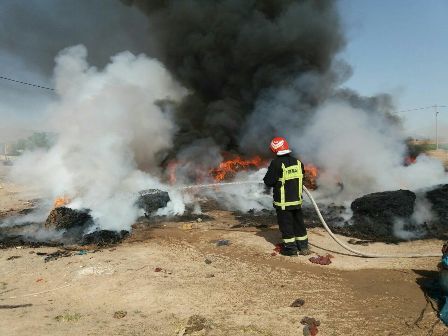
{"x":289,"y":249}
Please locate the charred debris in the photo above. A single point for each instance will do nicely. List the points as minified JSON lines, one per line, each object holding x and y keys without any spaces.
{"x":375,"y":217}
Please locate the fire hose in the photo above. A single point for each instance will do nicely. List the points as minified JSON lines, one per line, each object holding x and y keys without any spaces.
{"x":324,"y":223}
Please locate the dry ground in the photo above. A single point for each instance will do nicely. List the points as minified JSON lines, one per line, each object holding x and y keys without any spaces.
{"x":240,"y":289}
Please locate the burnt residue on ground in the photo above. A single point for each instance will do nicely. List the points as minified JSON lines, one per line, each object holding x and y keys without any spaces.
{"x":190,"y":215}
{"x":374,"y":217}
{"x":7,"y":241}
{"x":104,"y":237}
{"x":56,"y":255}
{"x":186,"y":217}
{"x":268,"y":218}
{"x":258,"y":219}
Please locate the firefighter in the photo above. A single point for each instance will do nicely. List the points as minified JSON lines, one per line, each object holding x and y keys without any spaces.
{"x":285,"y":175}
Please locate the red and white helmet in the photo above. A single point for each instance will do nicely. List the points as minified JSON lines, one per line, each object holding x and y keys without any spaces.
{"x":280,"y":146}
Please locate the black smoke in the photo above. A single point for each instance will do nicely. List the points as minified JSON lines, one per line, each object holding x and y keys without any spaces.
{"x":231,"y":54}
{"x":33,"y":32}
{"x":254,"y":68}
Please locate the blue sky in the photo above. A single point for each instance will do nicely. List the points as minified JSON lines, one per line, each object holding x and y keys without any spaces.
{"x":400,"y":47}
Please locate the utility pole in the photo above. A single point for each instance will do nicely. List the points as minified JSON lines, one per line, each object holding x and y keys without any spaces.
{"x":436,"y":112}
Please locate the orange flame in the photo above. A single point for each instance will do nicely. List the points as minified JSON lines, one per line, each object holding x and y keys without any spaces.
{"x":61,"y":201}
{"x":409,"y":160}
{"x":310,"y":178}
{"x":171,"y":168}
{"x":232,"y":166}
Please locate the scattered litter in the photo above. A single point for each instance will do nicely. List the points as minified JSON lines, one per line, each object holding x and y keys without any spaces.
{"x":56,"y":255}
{"x":82,"y":252}
{"x":15,"y":306}
{"x":223,"y":242}
{"x":321,"y":260}
{"x":210,"y":275}
{"x":310,"y":326}
{"x":194,"y":324}
{"x":157,"y":269}
{"x":19,"y":247}
{"x":120,"y":314}
{"x":199,"y":220}
{"x":358,"y":242}
{"x":67,"y":317}
{"x":42,"y":292}
{"x":298,"y":303}
{"x":208,"y":261}
{"x":187,"y":226}
{"x":95,"y":270}
{"x":13,"y":257}
{"x":41,"y":253}
{"x":277,"y":248}
{"x":39,"y":280}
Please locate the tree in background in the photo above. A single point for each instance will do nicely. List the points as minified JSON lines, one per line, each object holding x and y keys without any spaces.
{"x":38,"y":140}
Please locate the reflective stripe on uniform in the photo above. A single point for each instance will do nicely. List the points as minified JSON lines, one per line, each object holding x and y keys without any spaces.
{"x":305,"y":237}
{"x":290,"y":173}
{"x":289,"y":240}
{"x":288,"y":203}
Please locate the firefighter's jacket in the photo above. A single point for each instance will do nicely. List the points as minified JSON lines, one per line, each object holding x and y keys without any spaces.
{"x":285,"y":175}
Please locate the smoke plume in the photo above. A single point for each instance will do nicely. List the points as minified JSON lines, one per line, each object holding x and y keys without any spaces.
{"x":257,"y":69}
{"x":229,"y":53}
{"x":111,"y":126}
{"x":224,"y":75}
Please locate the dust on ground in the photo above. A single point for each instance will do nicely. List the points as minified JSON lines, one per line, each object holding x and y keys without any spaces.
{"x":172,"y":278}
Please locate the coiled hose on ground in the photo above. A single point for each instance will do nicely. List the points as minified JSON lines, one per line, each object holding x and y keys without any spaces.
{"x":322,"y":220}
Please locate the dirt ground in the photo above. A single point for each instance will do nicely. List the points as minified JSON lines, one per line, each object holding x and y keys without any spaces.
{"x":165,"y":273}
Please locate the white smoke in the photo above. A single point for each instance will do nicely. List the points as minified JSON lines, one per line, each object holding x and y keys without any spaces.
{"x":362,"y":151}
{"x":110,"y":126}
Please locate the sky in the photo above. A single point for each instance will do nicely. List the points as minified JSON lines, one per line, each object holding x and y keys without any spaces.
{"x":400,"y":47}
{"x":394,"y":46}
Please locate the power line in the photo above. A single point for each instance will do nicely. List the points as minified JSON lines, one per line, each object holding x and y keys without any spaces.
{"x":436,"y":113}
{"x":25,"y":83}
{"x":422,"y":108}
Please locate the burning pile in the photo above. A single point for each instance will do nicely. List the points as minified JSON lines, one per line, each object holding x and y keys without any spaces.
{"x":310,"y":178}
{"x":228,"y":168}
{"x":61,"y":201}
{"x":226,"y":77}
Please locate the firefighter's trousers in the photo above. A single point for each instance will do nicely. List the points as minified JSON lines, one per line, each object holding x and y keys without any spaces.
{"x":292,"y":227}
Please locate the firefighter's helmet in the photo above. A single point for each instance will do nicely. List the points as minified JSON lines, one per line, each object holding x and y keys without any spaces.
{"x":280,"y":146}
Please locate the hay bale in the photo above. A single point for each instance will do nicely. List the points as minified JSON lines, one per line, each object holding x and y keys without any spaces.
{"x":398,"y":203}
{"x":374,"y":214}
{"x":64,"y":218}
{"x":152,"y":199}
{"x":438,"y":197}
